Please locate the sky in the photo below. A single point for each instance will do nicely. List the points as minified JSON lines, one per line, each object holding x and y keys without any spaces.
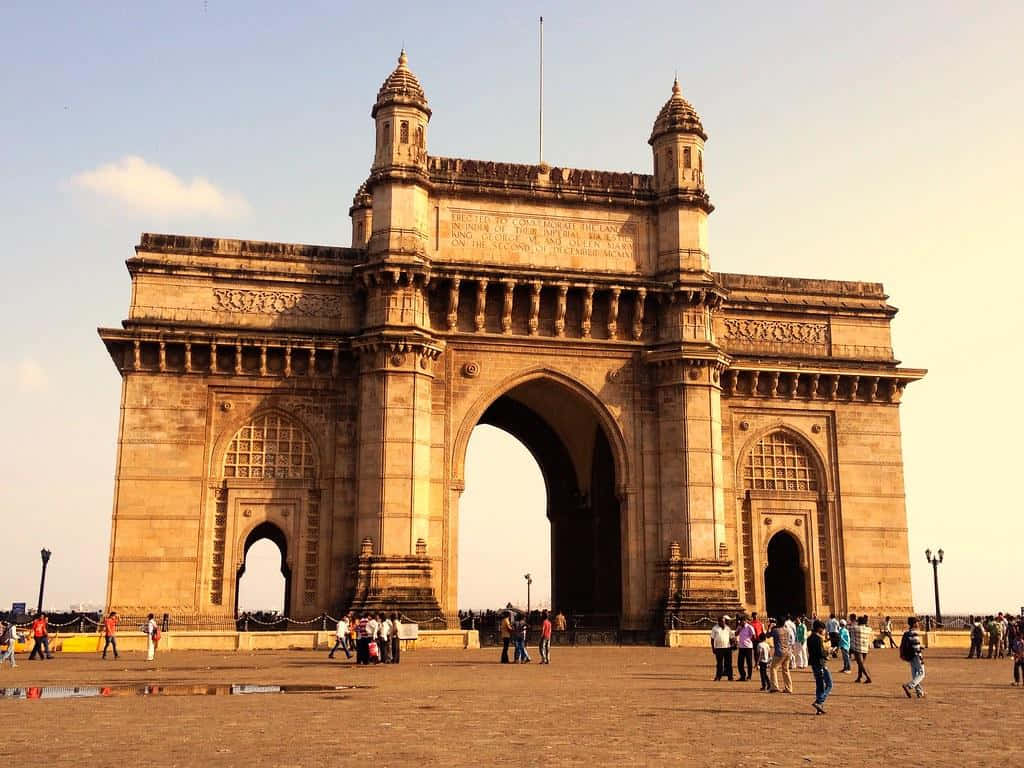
{"x":870,"y":141}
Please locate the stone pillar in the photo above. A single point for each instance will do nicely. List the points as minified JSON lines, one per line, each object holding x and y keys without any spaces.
{"x":393,"y":502}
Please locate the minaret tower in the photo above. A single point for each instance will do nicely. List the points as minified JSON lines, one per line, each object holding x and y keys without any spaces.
{"x":397,"y":355}
{"x":687,"y":368}
{"x":677,"y":141}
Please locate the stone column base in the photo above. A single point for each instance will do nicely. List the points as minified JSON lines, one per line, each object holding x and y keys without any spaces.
{"x":697,"y":588}
{"x":396,"y":584}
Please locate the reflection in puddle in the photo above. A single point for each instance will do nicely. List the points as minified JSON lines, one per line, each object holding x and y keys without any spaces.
{"x":92,"y":691}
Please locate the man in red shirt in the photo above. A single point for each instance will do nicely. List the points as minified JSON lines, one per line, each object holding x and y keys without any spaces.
{"x":40,"y":638}
{"x":545,"y":638}
{"x":110,"y":634}
{"x":756,"y":624}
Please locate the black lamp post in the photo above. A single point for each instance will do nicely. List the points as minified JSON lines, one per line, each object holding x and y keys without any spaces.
{"x":529,"y":581}
{"x":935,"y":571}
{"x":45,"y":555}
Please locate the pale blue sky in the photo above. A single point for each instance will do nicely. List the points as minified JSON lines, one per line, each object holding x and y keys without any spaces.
{"x":847,"y":141}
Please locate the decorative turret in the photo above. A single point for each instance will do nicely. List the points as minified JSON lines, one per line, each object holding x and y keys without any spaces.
{"x":677,"y":141}
{"x":361,"y":214}
{"x":402,"y":114}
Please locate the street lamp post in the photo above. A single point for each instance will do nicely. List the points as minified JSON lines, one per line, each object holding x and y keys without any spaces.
{"x":45,"y":555}
{"x":935,"y":572}
{"x":529,"y":581}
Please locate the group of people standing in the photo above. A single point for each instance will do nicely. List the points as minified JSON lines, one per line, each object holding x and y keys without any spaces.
{"x":373,"y":638}
{"x":780,"y":646}
{"x":514,"y":630}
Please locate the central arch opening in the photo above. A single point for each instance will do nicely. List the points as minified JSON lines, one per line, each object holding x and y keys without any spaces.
{"x":785,"y":588}
{"x":264,"y":578}
{"x":562,"y":432}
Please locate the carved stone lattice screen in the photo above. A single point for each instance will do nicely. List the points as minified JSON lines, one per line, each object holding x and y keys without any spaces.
{"x":270,"y":447}
{"x":779,"y":463}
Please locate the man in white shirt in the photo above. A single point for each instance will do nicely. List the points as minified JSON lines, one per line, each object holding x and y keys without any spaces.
{"x":721,"y":644}
{"x":384,"y":639}
{"x":341,"y":638}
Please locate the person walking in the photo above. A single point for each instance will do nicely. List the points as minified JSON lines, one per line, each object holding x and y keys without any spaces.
{"x":110,"y":634}
{"x":844,"y":646}
{"x":40,"y":638}
{"x":782,"y":640}
{"x":977,"y":638}
{"x":861,"y":637}
{"x":152,"y":637}
{"x":887,"y":631}
{"x":9,"y":637}
{"x":817,"y":657}
{"x":1017,"y":653}
{"x":396,"y":642}
{"x":911,"y":652}
{"x":341,"y":638}
{"x":506,"y":635}
{"x":721,"y":646}
{"x":745,"y":638}
{"x":764,"y":658}
{"x":545,"y":638}
{"x":522,"y":629}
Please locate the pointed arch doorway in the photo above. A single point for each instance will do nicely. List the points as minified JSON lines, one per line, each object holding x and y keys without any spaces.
{"x":267,"y":531}
{"x":785,"y":585}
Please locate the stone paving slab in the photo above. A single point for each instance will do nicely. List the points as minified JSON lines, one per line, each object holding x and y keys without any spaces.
{"x":592,"y":706}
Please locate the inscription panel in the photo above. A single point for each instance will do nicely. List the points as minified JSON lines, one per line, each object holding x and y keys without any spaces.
{"x":526,"y":238}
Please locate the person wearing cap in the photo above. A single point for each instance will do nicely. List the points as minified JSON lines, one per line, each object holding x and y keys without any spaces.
{"x":844,"y":646}
{"x":721,"y":645}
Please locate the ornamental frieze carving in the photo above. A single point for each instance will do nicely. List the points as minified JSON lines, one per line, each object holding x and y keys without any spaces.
{"x":776,"y":331}
{"x":276,"y":302}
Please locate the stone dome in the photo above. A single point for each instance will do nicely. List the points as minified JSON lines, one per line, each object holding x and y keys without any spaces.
{"x":401,"y":87}
{"x":362,"y":198}
{"x":677,"y":116}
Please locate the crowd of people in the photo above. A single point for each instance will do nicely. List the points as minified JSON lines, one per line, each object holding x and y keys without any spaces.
{"x":514,"y":630}
{"x":778,"y":646}
{"x":372,"y":638}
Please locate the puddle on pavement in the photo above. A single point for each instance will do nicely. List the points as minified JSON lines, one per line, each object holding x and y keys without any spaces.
{"x":112,"y":691}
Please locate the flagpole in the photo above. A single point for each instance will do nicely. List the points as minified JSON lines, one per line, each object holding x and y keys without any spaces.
{"x":540,"y":129}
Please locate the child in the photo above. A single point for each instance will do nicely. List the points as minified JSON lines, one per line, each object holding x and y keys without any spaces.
{"x":764,"y":658}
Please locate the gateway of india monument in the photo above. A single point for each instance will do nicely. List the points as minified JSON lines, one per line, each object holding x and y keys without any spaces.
{"x":710,"y":442}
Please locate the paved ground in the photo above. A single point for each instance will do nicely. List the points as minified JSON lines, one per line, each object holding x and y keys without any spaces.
{"x":595,"y":706}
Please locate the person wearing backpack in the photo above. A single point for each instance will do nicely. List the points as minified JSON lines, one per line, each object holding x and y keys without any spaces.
{"x":977,"y":638}
{"x":911,"y":652}
{"x":817,"y":656}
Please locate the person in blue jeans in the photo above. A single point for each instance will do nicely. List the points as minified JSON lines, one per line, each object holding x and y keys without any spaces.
{"x":911,"y":652}
{"x":844,"y":646}
{"x":817,"y":657}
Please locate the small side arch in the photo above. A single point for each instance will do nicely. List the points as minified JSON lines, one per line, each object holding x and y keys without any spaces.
{"x":265,"y":530}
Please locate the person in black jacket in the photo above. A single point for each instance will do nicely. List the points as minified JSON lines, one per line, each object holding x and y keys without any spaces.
{"x":817,"y":657}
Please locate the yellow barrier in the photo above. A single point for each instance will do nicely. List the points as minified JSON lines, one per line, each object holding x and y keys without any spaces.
{"x":81,"y":644}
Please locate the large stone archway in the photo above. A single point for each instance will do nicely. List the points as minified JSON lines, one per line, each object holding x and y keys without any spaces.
{"x":576,"y":309}
{"x":560,"y":425}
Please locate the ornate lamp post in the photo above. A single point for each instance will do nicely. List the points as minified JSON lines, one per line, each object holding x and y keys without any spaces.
{"x":45,"y":555}
{"x":935,"y":571}
{"x":529,"y":581}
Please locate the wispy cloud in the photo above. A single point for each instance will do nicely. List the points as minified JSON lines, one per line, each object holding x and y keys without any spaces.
{"x":31,"y":377}
{"x":151,"y":189}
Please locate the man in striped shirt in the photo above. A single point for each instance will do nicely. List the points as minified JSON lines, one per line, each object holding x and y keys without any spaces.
{"x":910,"y":652}
{"x":861,"y":636}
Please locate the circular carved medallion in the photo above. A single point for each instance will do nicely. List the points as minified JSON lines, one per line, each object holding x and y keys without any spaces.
{"x":471,"y":369}
{"x":398,"y":359}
